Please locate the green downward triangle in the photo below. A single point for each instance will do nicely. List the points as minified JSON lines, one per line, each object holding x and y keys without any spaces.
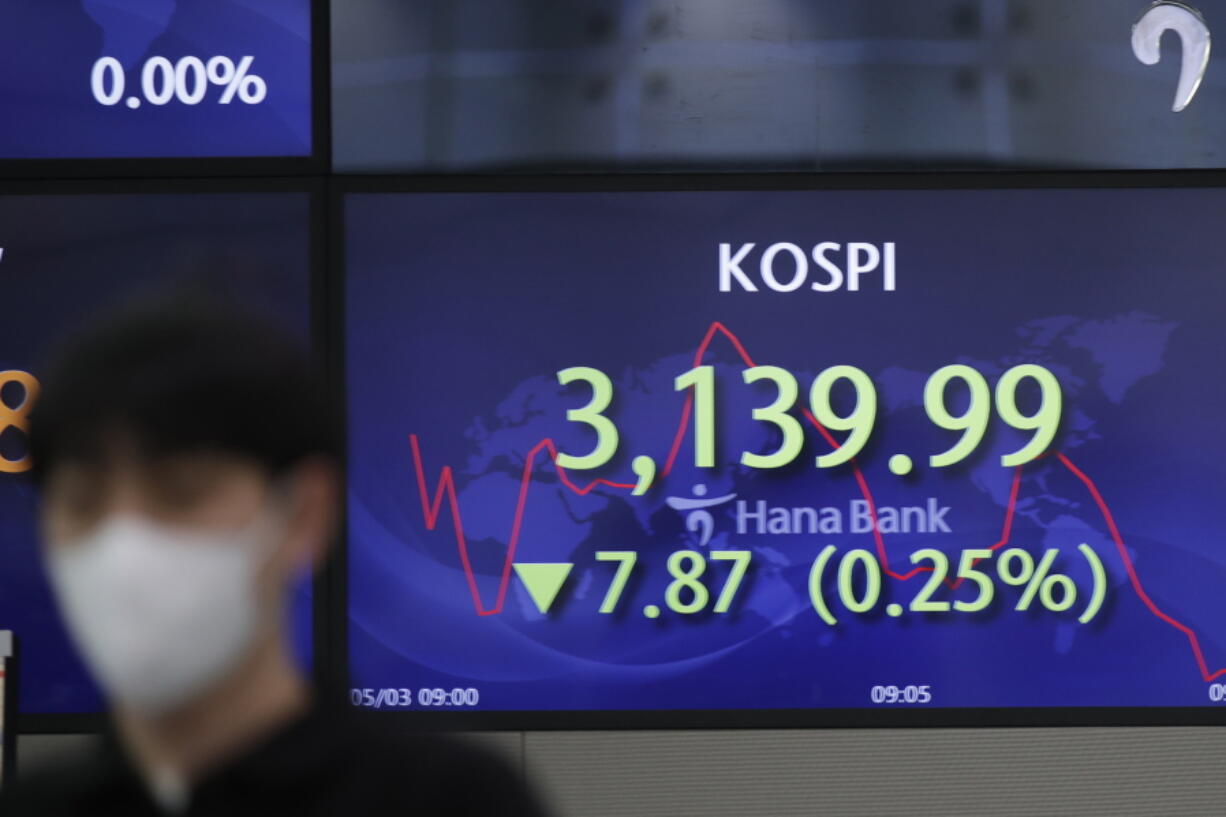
{"x":543,"y":580}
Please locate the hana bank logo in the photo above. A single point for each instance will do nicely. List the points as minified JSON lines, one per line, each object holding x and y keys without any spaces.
{"x":1193,"y":33}
{"x":699,"y":519}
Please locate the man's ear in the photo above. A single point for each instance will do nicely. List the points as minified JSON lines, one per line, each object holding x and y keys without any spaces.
{"x":314,"y":487}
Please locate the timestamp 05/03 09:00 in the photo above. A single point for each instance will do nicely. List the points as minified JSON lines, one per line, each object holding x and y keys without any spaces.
{"x":404,"y":698}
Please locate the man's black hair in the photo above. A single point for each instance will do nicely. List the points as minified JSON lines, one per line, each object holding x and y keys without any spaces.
{"x":180,"y":374}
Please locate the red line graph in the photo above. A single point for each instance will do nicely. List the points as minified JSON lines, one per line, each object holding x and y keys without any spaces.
{"x":445,"y":489}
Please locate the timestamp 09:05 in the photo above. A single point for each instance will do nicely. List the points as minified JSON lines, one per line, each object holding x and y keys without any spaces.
{"x":402,"y":698}
{"x":891,"y":694}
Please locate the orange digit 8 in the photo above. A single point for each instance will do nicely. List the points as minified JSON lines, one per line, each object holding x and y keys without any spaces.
{"x":17,"y":416}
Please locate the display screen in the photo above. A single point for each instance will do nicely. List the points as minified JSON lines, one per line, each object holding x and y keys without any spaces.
{"x":824,"y":450}
{"x":63,"y":260}
{"x":421,"y":86}
{"x":87,"y":79}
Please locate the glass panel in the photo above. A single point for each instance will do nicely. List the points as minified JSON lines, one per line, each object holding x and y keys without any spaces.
{"x":462,"y":85}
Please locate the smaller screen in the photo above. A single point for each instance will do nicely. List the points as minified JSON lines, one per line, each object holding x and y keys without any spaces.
{"x":101,"y":79}
{"x":64,"y":259}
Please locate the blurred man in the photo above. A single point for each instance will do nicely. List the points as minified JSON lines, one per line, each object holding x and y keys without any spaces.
{"x":189,"y":478}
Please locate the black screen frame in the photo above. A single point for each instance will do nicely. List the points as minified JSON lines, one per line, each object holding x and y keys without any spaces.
{"x":318,"y":163}
{"x":650,"y":719}
{"x":63,"y":723}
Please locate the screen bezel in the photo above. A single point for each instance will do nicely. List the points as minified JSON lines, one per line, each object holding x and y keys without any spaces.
{"x":60,"y":723}
{"x":319,"y":161}
{"x":651,"y":719}
{"x":11,"y":664}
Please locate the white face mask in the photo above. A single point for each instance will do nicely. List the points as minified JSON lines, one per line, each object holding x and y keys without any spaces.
{"x":160,"y":613}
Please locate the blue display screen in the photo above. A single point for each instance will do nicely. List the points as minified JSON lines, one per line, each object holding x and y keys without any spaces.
{"x":89,"y":79}
{"x":65,"y":258}
{"x":785,"y":450}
